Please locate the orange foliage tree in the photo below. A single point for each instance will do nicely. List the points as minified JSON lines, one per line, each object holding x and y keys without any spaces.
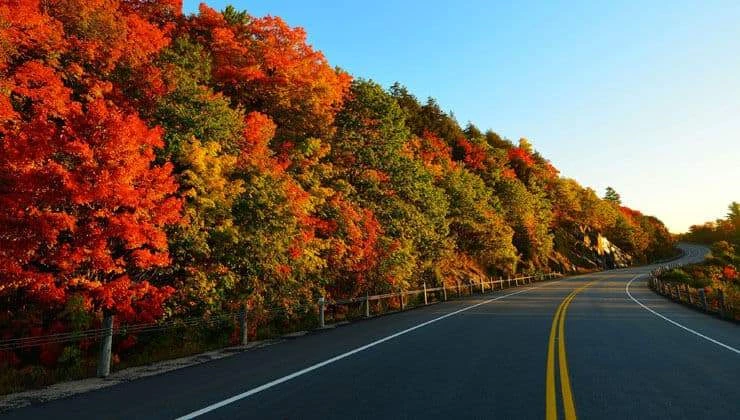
{"x":265,"y":65}
{"x":84,"y":208}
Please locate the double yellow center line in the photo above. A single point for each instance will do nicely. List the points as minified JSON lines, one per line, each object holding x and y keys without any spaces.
{"x":557,"y":332}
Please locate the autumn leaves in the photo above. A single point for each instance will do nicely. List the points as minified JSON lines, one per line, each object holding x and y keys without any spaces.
{"x":158,"y":164}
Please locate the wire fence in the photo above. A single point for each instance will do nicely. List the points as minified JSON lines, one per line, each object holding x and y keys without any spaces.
{"x":256,"y":322}
{"x":403,"y":299}
{"x":142,"y":328}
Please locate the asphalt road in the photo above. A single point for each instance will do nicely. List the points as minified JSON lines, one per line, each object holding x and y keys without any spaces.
{"x":483,"y":357}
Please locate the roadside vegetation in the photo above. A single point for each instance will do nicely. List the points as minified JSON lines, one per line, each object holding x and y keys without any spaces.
{"x":718,"y":274}
{"x":167,"y":169}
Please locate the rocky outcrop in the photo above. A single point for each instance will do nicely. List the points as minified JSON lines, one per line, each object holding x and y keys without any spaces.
{"x":580,"y":248}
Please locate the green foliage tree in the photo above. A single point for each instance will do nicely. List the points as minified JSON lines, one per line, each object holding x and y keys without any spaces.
{"x":612,"y":196}
{"x":368,"y":152}
{"x":477,"y":226}
{"x":529,"y":215}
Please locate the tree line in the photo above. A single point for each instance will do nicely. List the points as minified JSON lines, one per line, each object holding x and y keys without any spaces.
{"x":726,"y":229}
{"x":156,"y":164}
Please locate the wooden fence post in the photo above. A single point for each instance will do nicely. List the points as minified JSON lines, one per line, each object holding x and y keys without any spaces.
{"x":426,"y":302}
{"x":367,"y":304}
{"x":703,"y":299}
{"x":322,"y":307}
{"x":243,"y":325}
{"x":106,"y":345}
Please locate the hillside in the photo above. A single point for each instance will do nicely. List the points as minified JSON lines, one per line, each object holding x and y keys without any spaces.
{"x":158,"y":166}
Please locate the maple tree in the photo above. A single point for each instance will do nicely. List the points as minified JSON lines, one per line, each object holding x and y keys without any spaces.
{"x":353,"y":250}
{"x":83,"y":208}
{"x":267,"y":66}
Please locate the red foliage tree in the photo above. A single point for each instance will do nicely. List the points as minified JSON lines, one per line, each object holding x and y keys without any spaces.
{"x":729,"y":273}
{"x":432,"y":151}
{"x":472,"y":154}
{"x":521,"y":156}
{"x":27,"y":33}
{"x":259,"y":129}
{"x":630,"y":214}
{"x":82,"y":206}
{"x":267,"y":66}
{"x":354,"y":252}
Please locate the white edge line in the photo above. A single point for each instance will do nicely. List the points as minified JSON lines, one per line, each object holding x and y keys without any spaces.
{"x":319,"y":365}
{"x":710,"y":339}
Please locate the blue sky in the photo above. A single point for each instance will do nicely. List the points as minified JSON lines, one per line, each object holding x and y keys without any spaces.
{"x":642,"y":96}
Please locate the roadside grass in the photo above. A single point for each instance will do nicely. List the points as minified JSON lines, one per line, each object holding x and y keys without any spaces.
{"x":79,"y":359}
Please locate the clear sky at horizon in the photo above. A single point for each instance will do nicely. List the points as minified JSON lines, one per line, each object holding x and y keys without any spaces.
{"x":641,"y":96}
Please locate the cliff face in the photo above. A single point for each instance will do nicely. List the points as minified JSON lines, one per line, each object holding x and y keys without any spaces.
{"x":581,"y":248}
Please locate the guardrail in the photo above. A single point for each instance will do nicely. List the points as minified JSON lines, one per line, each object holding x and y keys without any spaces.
{"x":325,"y":310}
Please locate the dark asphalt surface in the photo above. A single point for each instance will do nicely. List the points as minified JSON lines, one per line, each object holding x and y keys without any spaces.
{"x":486,"y":362}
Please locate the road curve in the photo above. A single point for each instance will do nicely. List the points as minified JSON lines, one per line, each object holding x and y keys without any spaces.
{"x":500,"y":355}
